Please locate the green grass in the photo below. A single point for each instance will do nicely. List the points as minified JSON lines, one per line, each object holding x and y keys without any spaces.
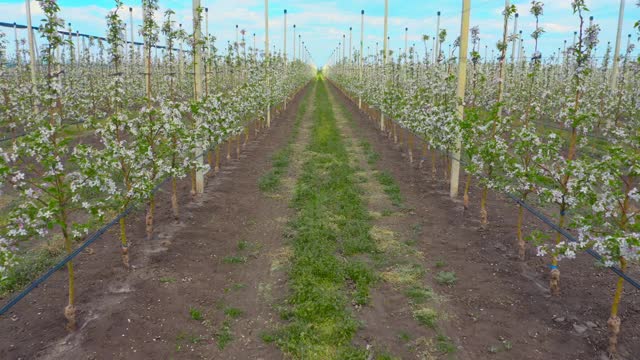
{"x":332,"y":224}
{"x":390,"y":187}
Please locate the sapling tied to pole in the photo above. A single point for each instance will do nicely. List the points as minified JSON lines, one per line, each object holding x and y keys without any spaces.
{"x":566,"y":173}
{"x":490,"y":145}
{"x":521,"y":169}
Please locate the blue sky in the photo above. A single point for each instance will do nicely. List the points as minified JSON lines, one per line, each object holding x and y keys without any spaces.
{"x":322,"y":23}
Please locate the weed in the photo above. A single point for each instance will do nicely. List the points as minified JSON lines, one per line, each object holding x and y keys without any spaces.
{"x":184,"y":337}
{"x":195,"y":314}
{"x":416,"y":228}
{"x":167,"y":280}
{"x":444,"y":344}
{"x":242,"y":245}
{"x":446,"y":278}
{"x":426,"y":316}
{"x":404,"y":274}
{"x":440,"y":264}
{"x":387,"y":212}
{"x":233,"y":313}
{"x":269,"y":182}
{"x":505,"y":345}
{"x":224,"y":336}
{"x":267,"y":337}
{"x":235,"y":287}
{"x":194,"y":339}
{"x":234,"y":259}
{"x":372,"y":156}
{"x":404,"y":336}
{"x":179,"y":339}
{"x":386,"y":356}
{"x":390,"y":187}
{"x":410,"y":242}
{"x":419,"y":295}
{"x":363,"y":277}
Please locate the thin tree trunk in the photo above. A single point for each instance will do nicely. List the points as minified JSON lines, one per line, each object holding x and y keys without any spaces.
{"x":174,"y":199}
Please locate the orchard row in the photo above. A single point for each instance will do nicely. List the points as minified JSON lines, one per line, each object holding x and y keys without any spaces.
{"x":147,"y":120}
{"x":562,"y":135}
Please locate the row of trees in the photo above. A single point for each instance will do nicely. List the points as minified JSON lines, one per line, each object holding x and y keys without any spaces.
{"x":143,"y":129}
{"x":560,"y":135}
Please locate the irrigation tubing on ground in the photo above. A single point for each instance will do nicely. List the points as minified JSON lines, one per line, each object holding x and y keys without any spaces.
{"x":535,"y":212}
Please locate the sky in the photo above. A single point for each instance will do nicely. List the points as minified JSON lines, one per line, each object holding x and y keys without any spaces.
{"x":322,"y":24}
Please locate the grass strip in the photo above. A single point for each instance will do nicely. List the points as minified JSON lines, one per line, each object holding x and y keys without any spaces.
{"x":332,"y":224}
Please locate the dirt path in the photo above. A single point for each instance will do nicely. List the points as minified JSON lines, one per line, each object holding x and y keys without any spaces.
{"x":499,"y":307}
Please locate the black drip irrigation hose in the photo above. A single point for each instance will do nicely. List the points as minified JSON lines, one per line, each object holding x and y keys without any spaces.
{"x":535,"y":212}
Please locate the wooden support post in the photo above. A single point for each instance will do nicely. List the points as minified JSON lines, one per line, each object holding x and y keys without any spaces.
{"x":198,"y":69}
{"x":462,"y":76}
